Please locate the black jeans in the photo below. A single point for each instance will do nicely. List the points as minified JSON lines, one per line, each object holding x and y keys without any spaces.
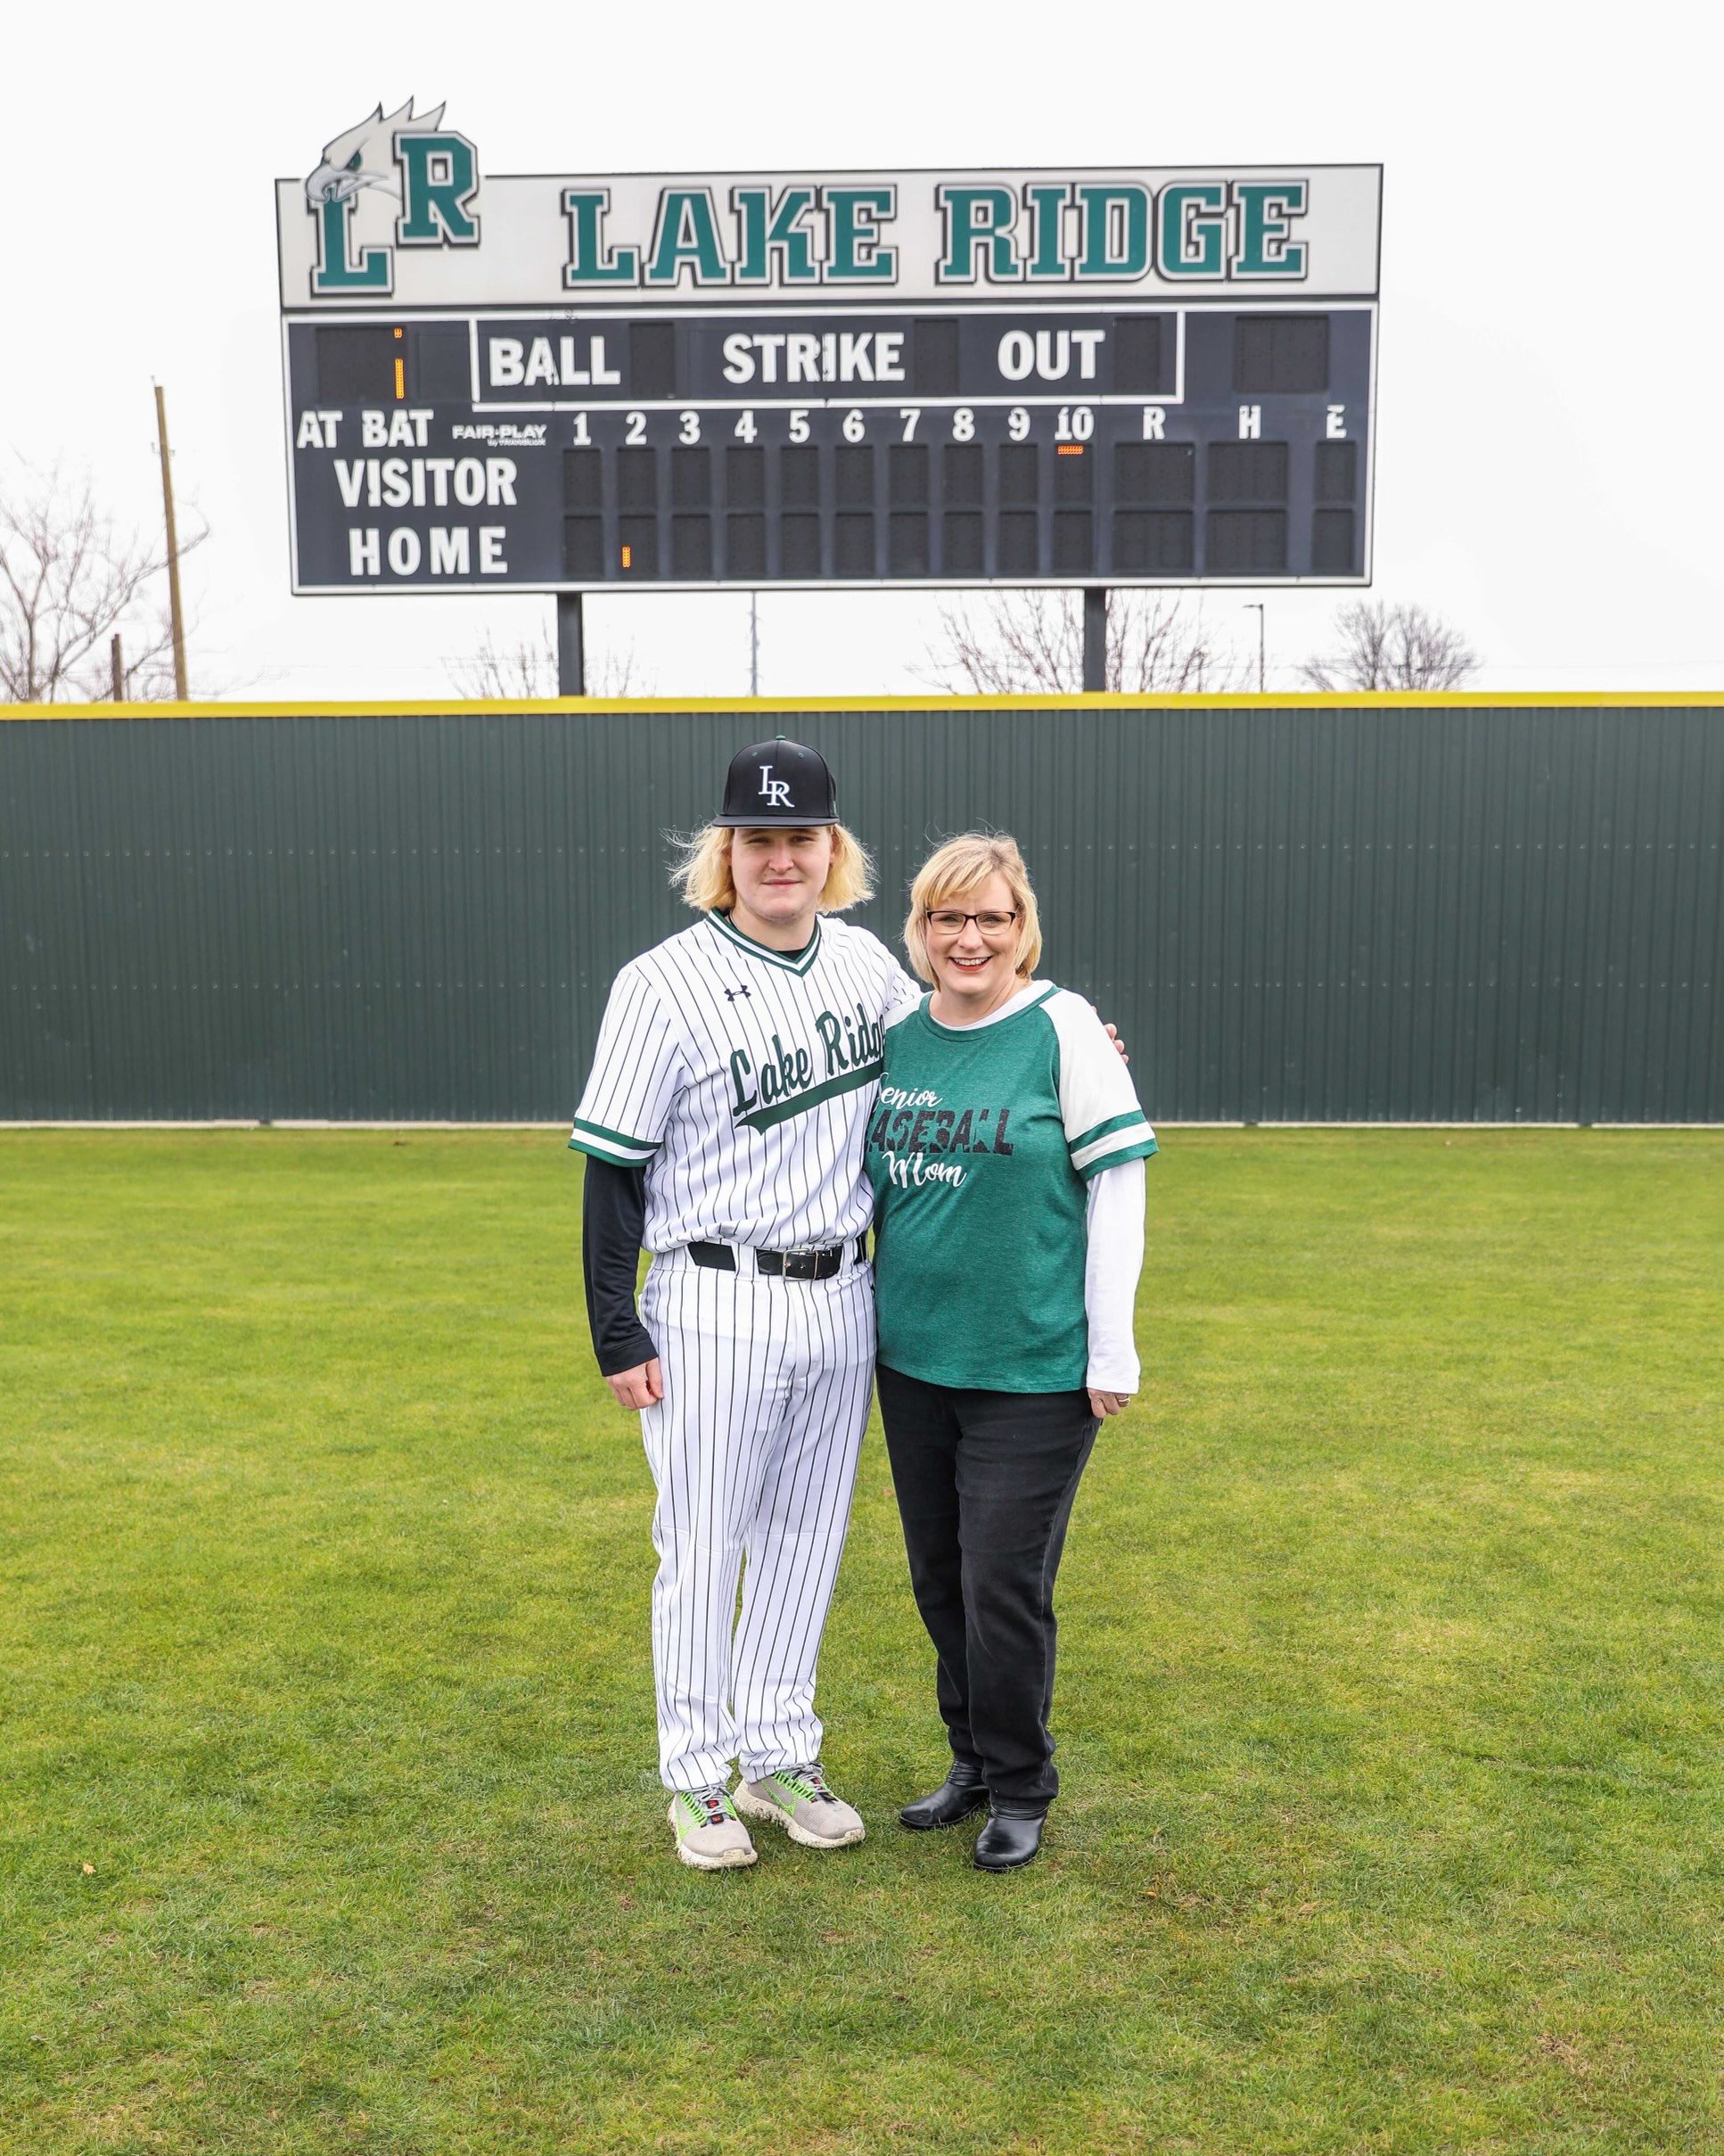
{"x":985,"y":1485}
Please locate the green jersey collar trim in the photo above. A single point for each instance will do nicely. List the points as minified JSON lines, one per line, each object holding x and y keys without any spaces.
{"x":791,"y":961}
{"x":988,"y":1024}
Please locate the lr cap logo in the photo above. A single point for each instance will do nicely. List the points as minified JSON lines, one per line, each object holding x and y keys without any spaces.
{"x":774,"y":791}
{"x":405,"y":158}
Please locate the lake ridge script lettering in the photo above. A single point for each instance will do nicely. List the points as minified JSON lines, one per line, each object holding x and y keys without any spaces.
{"x":847,"y":1046}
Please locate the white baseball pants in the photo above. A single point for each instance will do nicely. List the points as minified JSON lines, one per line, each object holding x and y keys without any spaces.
{"x":753,"y":1450}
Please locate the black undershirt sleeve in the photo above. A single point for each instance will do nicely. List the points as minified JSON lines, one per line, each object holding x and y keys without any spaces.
{"x":612,"y":1221}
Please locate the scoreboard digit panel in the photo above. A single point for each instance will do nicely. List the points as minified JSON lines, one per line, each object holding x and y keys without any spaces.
{"x":1145,"y":445}
{"x":681,"y":381}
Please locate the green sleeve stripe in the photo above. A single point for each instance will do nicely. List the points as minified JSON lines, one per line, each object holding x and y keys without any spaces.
{"x":625,"y":1139}
{"x":1136,"y":1144}
{"x":1101,"y":1130}
{"x":601,"y":1149}
{"x":1118,"y":1160}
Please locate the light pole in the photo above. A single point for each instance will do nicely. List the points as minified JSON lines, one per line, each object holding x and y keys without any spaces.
{"x":1256,"y":606}
{"x":176,"y":619}
{"x":753,"y":644}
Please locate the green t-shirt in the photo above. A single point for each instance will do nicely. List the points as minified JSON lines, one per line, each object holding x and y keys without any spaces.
{"x":978,"y":1151}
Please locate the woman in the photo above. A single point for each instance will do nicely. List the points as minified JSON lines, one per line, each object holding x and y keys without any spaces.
{"x":1006,"y":1156}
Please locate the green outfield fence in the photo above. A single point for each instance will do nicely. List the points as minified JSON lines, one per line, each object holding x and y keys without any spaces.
{"x":1347,"y":909}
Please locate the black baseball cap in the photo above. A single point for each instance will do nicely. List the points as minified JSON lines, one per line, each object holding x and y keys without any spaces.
{"x":778,"y":782}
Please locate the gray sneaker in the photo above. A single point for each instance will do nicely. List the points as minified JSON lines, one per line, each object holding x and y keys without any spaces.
{"x":710,"y":1837}
{"x":798,"y":1799}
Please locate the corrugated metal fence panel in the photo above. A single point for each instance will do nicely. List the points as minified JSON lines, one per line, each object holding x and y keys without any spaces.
{"x":1314,"y":912}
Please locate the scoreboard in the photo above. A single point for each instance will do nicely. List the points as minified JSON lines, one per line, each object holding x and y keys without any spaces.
{"x":751,"y":380}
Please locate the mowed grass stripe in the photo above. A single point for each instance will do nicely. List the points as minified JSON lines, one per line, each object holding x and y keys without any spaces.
{"x":1389,"y":1701}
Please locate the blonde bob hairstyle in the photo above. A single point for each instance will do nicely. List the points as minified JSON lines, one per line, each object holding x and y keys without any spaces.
{"x":702,"y":871}
{"x":963,"y":866}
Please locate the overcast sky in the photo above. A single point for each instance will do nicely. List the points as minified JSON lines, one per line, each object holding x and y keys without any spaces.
{"x":1550,"y":467}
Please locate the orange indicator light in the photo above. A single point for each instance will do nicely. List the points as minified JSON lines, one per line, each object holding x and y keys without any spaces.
{"x":1067,"y":448}
{"x":400,"y":378}
{"x":628,"y":557}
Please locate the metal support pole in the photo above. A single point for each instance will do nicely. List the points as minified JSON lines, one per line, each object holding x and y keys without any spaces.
{"x":753,"y":644}
{"x":177,"y":618}
{"x":1256,"y":606}
{"x":571,"y":646}
{"x":117,"y":667}
{"x":1095,"y":639}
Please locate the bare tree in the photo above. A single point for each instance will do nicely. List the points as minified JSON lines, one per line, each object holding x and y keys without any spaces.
{"x":70,"y":580}
{"x":528,"y":668}
{"x":1028,"y":643}
{"x":1384,"y":647}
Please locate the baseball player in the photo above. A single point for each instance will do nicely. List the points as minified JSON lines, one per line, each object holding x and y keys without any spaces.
{"x":723,"y":1123}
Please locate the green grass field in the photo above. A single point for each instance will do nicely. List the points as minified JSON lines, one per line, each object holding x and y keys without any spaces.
{"x":1391,"y":1691}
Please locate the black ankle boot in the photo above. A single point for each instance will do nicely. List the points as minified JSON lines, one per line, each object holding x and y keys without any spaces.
{"x":962,"y":1793}
{"x":1005,"y":1842}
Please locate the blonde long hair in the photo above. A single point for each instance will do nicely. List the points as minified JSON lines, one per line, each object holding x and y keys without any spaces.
{"x":964,"y":865}
{"x":702,"y":871}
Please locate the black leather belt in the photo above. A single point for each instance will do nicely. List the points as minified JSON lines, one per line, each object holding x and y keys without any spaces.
{"x":783,"y":1265}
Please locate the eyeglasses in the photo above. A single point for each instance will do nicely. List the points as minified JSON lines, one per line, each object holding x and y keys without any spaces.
{"x":948,"y":921}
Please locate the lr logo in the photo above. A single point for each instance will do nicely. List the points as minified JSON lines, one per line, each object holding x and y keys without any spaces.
{"x":774,"y":791}
{"x":432,"y":171}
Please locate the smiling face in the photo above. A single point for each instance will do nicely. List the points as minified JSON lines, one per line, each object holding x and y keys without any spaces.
{"x":779,"y":873}
{"x":975,"y":968}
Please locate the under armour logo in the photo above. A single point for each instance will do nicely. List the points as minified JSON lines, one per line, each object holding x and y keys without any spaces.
{"x":775,"y":792}
{"x":731,"y":995}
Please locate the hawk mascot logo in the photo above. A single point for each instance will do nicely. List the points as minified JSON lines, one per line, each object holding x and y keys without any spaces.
{"x":364,"y":156}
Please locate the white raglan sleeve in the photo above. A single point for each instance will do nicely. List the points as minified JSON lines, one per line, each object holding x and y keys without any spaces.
{"x":1098,"y":1104}
{"x":1109,"y":1138}
{"x":638,"y":1069}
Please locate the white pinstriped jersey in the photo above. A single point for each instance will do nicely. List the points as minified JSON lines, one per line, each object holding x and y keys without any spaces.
{"x":741,"y":1079}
